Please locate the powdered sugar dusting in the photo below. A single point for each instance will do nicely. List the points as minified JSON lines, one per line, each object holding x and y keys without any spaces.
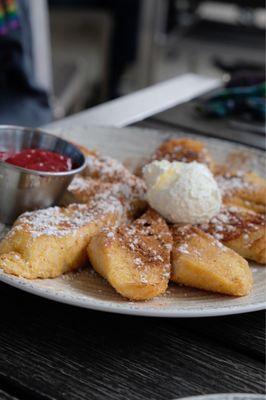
{"x":79,"y":183}
{"x":56,"y":221}
{"x":233,"y":222}
{"x":184,"y":150}
{"x":108,"y":178}
{"x":149,"y":241}
{"x":107,"y":169}
{"x":230,"y":184}
{"x":183,"y":248}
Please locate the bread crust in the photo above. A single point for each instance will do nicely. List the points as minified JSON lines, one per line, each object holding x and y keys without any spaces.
{"x":246,"y":190}
{"x":240,"y":229}
{"x":200,"y":261}
{"x":184,"y":150}
{"x":47,"y":243}
{"x":135,"y":258}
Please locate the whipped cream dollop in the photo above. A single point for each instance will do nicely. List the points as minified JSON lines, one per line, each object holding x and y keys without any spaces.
{"x":182,"y":192}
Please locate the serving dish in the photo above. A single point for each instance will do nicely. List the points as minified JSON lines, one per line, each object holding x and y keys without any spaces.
{"x":26,"y":189}
{"x":86,"y":289}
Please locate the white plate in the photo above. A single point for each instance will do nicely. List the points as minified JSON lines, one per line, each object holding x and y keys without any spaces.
{"x":86,"y":289}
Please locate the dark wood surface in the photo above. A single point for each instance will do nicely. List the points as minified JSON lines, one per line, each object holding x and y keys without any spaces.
{"x":6,"y":396}
{"x":54,"y":351}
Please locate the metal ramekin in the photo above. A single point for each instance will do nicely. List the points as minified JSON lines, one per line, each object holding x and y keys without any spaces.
{"x":23,"y":189}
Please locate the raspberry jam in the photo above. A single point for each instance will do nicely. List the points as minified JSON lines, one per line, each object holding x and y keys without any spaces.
{"x":38,"y":160}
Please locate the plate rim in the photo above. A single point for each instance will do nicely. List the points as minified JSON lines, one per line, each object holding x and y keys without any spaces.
{"x":126,"y":310}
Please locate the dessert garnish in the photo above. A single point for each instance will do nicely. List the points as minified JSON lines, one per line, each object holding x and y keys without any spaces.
{"x":182,"y":192}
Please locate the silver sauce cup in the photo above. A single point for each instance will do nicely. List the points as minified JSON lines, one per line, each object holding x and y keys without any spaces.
{"x":23,"y":189}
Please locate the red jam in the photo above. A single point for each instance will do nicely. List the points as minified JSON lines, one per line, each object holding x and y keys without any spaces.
{"x":38,"y":160}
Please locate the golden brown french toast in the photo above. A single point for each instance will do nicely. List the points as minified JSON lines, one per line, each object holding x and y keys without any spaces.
{"x":242,"y":189}
{"x":135,"y":258}
{"x":240,"y":229}
{"x":82,"y":189}
{"x":106,"y":169}
{"x":104,"y":177}
{"x":47,"y":243}
{"x":198,"y":260}
{"x":130,"y":193}
{"x":184,"y":150}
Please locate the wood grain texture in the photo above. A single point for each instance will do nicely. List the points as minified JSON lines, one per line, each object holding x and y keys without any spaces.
{"x":245,"y":333}
{"x":6,"y":396}
{"x":53,"y":351}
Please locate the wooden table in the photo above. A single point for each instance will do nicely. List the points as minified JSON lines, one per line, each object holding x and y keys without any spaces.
{"x":54,"y":351}
{"x":51,"y":351}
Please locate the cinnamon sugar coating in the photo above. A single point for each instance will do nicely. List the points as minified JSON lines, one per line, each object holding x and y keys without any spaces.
{"x":135,"y":258}
{"x":148,"y":238}
{"x":183,"y":150}
{"x":201,"y":261}
{"x":131,"y":194}
{"x":233,"y":222}
{"x":242,"y":230}
{"x":242,"y":189}
{"x":105,"y":177}
{"x":107,"y":169}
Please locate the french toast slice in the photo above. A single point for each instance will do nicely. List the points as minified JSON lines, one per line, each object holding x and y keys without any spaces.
{"x":135,"y":258}
{"x":130,"y":193}
{"x":106,"y":169}
{"x":104,"y":177}
{"x":199,"y":260}
{"x":184,"y":150}
{"x":240,"y":229}
{"x":247,"y":190}
{"x":82,"y":189}
{"x":47,"y":243}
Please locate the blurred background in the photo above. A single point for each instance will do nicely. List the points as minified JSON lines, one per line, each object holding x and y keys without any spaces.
{"x":69,"y":55}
